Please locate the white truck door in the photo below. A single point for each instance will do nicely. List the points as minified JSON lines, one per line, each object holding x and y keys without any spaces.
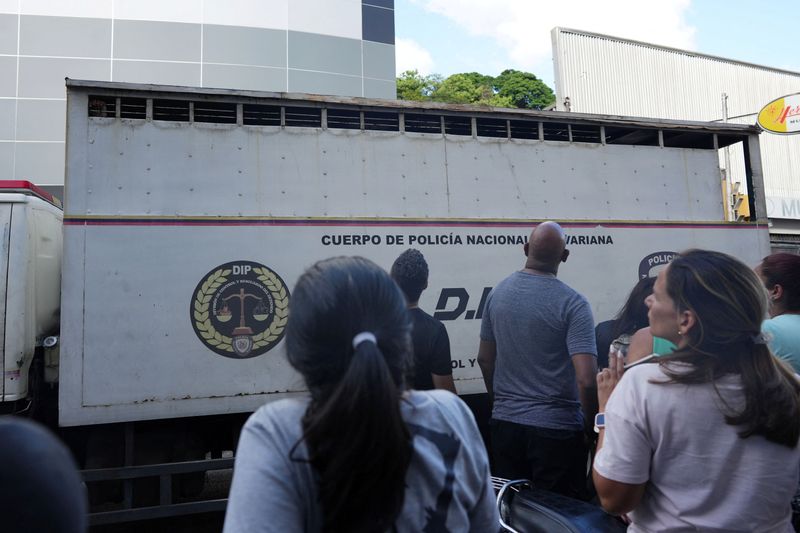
{"x":5,"y":228}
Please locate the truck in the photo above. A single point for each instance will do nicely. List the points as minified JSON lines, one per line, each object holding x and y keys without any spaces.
{"x":189,"y":214}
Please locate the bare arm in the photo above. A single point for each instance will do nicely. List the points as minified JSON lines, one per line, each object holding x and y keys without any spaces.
{"x":487,"y":353}
{"x":641,"y":345}
{"x":444,"y":382}
{"x":585,"y":375}
{"x":616,"y":497}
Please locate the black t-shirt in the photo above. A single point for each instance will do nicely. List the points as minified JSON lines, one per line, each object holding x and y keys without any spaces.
{"x":431,"y":349}
{"x":604,"y":335}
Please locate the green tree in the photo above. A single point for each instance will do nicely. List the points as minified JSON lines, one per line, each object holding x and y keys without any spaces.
{"x":512,"y":88}
{"x":466,"y":88}
{"x":524,"y":89}
{"x":413,"y":86}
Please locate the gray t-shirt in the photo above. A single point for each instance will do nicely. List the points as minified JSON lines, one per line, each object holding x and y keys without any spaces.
{"x":700,"y":474}
{"x":537,"y":323}
{"x":273,"y":492}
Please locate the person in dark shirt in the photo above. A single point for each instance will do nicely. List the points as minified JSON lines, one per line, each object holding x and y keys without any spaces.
{"x":432,"y":369}
{"x":630,"y":319}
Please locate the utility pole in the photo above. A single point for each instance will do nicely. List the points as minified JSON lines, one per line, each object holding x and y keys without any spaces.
{"x":727,"y":182}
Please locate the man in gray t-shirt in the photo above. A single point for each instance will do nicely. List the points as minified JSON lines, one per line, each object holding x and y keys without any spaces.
{"x":539,"y":361}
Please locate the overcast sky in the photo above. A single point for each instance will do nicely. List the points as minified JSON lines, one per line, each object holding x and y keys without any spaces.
{"x":449,"y":36}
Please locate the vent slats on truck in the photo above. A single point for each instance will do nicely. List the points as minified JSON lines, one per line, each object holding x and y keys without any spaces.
{"x":215,"y":112}
{"x":304,"y":117}
{"x":261,"y":115}
{"x":556,"y":131}
{"x":172,"y":110}
{"x":102,"y":106}
{"x":419,"y":123}
{"x":345,"y":119}
{"x":414,"y":120}
{"x":492,"y":127}
{"x":381,"y":121}
{"x":524,"y":129}
{"x":582,"y":133}
{"x":457,"y":125}
{"x":133,"y":108}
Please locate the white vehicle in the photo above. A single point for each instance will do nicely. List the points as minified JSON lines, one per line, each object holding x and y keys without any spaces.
{"x":189,"y":214}
{"x":30,"y":280}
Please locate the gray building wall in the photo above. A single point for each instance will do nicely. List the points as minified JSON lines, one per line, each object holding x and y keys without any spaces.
{"x":615,"y":76}
{"x":338,"y":47}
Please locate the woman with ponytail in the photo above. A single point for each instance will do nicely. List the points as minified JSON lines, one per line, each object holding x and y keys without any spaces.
{"x":360,"y":453}
{"x":704,"y":439}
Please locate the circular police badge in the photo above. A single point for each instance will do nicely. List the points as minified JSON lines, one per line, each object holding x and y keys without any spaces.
{"x":240,"y":309}
{"x":650,"y":266}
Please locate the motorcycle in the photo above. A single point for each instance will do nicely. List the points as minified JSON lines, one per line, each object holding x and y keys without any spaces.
{"x":525,"y":509}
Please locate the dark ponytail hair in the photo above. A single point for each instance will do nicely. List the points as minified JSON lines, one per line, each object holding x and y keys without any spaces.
{"x":357,"y":440}
{"x":729,"y":303}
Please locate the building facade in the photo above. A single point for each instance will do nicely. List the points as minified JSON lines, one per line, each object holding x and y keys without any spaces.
{"x":336,"y":47}
{"x":603,"y":74}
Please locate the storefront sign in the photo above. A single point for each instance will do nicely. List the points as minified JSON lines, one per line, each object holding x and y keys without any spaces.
{"x":783,"y":207}
{"x":781,"y":116}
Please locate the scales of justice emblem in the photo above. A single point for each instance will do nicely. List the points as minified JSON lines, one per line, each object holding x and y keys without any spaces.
{"x":240,"y":309}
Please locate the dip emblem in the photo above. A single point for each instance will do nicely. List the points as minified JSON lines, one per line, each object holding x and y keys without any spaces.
{"x":240,"y":309}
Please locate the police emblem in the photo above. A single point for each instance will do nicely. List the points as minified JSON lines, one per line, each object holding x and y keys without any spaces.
{"x":240,"y":309}
{"x":650,"y":266}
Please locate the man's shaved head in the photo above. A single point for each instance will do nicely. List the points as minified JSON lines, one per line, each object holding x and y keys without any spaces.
{"x":546,"y":247}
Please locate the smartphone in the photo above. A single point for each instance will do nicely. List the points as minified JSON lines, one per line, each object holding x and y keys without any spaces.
{"x":620,"y":345}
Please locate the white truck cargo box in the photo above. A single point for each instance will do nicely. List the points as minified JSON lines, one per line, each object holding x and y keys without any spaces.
{"x":191,"y":213}
{"x":30,"y":273}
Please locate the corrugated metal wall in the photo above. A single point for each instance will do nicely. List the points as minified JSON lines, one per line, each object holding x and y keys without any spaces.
{"x":602,"y":74}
